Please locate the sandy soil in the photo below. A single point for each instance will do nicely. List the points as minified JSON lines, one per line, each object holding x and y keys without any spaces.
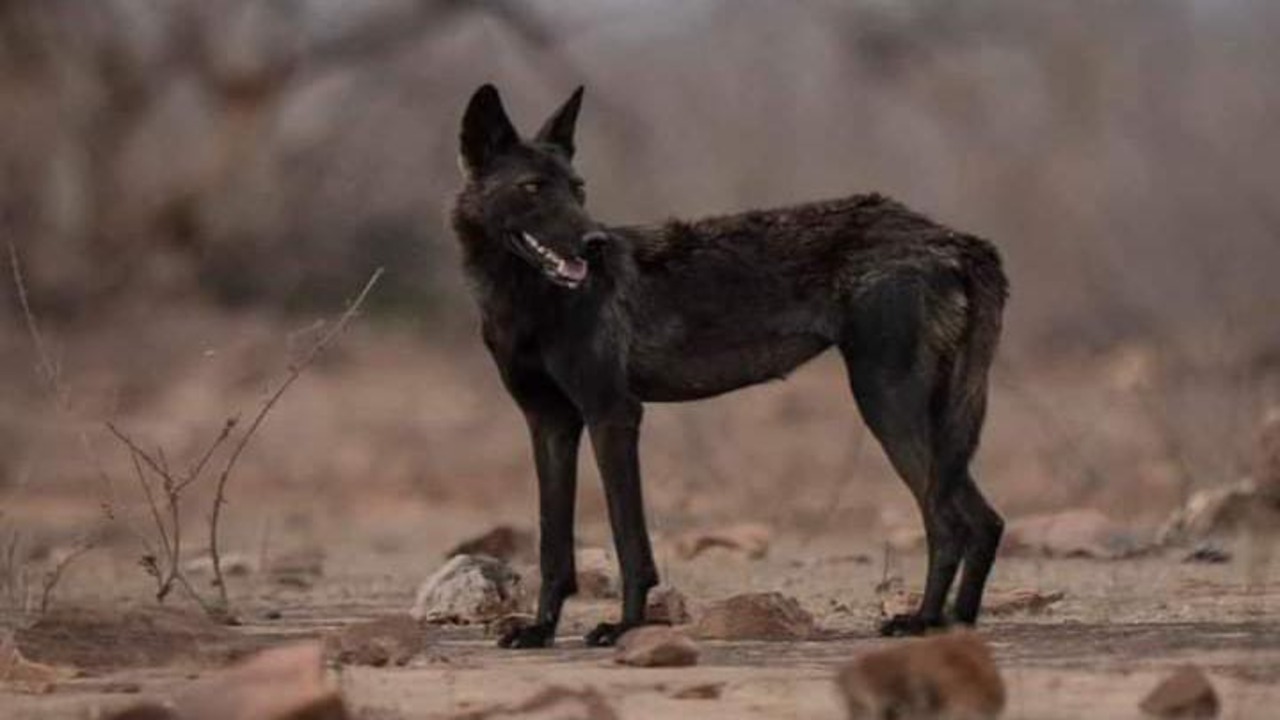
{"x":1121,"y":625}
{"x":391,"y":451}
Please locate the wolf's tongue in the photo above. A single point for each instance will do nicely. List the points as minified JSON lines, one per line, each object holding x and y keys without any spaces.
{"x":574,"y":269}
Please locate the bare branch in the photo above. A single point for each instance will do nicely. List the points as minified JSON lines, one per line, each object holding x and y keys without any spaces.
{"x":295,"y":371}
{"x":151,"y":502}
{"x":48,"y":369}
{"x":162,"y":582}
{"x":54,"y":575}
{"x":134,"y":448}
{"x":13,"y":574}
{"x":199,"y":467}
{"x":50,"y":375}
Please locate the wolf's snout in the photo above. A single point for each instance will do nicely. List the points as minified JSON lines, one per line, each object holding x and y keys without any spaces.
{"x":595,"y":237}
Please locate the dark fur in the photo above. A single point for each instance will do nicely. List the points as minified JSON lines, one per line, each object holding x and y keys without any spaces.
{"x":688,"y":310}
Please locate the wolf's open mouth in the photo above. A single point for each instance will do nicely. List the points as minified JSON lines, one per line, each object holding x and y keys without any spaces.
{"x":568,"y":272}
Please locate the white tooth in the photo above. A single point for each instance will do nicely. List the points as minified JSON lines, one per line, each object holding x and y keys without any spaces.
{"x":545,"y":252}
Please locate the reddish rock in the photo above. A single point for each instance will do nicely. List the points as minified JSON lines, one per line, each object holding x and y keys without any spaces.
{"x":283,"y":683}
{"x":1072,"y":533}
{"x":656,"y":646}
{"x":393,"y":640}
{"x":667,"y":605}
{"x":1187,"y":693}
{"x":503,"y":542}
{"x":749,"y":539}
{"x":597,"y":575}
{"x":756,"y":616}
{"x":943,"y":676}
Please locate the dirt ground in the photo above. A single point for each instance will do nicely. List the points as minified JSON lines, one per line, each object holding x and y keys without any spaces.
{"x":390,"y":452}
{"x":1121,"y":625}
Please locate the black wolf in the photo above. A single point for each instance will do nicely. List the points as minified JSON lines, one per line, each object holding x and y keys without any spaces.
{"x":587,"y":323}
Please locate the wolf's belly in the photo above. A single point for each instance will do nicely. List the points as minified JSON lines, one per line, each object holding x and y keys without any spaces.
{"x":676,"y":374}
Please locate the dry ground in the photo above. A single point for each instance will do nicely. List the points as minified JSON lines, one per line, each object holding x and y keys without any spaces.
{"x":391,"y":451}
{"x":1121,"y":625}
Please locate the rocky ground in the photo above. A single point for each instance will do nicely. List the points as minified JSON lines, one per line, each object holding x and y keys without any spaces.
{"x":1133,"y":548}
{"x":1104,"y":633}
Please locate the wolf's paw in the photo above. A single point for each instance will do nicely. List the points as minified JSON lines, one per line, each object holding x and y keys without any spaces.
{"x":909,"y":624}
{"x":538,"y":635}
{"x":607,"y":634}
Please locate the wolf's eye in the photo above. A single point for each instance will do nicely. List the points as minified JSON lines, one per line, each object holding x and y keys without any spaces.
{"x":533,"y":187}
{"x":579,"y":190}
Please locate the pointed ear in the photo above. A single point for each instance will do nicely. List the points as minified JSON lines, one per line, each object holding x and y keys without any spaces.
{"x":558,"y":130}
{"x":486,"y":131}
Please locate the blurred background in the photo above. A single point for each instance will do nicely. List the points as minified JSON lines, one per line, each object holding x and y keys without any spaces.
{"x":191,"y":188}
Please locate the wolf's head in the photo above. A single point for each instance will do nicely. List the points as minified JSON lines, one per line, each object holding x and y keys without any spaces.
{"x":523,"y":193}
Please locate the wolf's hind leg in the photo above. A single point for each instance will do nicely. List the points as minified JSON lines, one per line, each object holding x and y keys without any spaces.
{"x":985,"y":528}
{"x":893,"y":373}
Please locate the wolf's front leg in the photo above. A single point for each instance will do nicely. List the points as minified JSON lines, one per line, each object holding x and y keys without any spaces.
{"x":556,"y":429}
{"x":615,"y":434}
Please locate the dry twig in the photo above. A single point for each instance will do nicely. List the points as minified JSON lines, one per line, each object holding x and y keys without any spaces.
{"x":54,"y":575}
{"x":162,"y":559}
{"x":50,"y":376}
{"x":163,"y":490}
{"x":295,"y":371}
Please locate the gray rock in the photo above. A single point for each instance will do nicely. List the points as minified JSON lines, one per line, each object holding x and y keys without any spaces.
{"x":468,"y":589}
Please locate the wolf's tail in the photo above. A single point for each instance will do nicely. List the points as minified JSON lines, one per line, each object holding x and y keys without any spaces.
{"x":964,"y":395}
